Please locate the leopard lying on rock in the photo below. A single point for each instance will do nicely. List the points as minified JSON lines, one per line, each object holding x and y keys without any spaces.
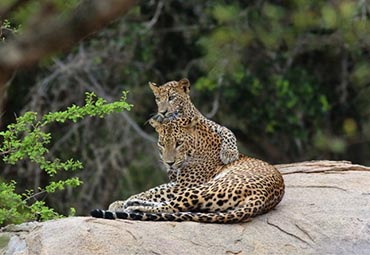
{"x":235,"y":192}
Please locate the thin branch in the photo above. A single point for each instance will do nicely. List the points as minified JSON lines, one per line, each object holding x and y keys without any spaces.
{"x":5,"y":152}
{"x":68,"y":135}
{"x":157,"y":13}
{"x":215,"y":106}
{"x":36,"y":195}
{"x":216,"y":101}
{"x":186,"y":70}
{"x":136,"y":127}
{"x":343,"y":88}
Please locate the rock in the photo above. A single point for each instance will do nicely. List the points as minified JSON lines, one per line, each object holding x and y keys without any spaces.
{"x":326,"y":210}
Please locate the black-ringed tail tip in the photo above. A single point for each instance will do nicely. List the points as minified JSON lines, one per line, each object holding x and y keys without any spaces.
{"x":98,"y":213}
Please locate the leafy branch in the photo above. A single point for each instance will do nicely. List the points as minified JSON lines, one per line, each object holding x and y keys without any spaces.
{"x":26,"y":140}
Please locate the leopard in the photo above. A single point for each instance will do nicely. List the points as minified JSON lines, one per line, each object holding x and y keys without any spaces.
{"x":234,"y":192}
{"x":190,"y":171}
{"x":174,"y":104}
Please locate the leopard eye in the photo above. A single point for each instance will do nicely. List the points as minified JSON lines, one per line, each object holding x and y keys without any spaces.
{"x":160,"y":144}
{"x":157,"y":99}
{"x":178,"y":143}
{"x":170,"y":98}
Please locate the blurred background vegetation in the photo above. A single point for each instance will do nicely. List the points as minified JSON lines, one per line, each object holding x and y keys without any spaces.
{"x":290,"y":78}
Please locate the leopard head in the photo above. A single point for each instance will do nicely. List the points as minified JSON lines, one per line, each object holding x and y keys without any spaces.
{"x":172,"y":98}
{"x":175,"y":143}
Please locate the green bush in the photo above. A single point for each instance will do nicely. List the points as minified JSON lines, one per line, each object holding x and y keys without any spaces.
{"x":26,"y":140}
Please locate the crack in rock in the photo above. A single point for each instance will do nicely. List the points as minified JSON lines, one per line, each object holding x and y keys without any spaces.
{"x":305,"y":232}
{"x":288,"y":233}
{"x":233,"y":252}
{"x":132,"y":235}
{"x":316,"y":186}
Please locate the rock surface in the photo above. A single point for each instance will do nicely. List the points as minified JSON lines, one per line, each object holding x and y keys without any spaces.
{"x":326,"y":210}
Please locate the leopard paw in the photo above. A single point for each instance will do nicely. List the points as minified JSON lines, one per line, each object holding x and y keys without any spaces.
{"x":227,"y":155}
{"x":142,"y":208}
{"x":138,"y":202}
{"x":117,"y":206}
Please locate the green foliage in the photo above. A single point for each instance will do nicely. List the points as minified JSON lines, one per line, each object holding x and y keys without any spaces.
{"x":286,"y":104}
{"x":26,"y":140}
{"x":12,"y":207}
{"x":15,"y":208}
{"x":288,"y":70}
{"x":7,"y":28}
{"x":93,"y":107}
{"x":226,"y":13}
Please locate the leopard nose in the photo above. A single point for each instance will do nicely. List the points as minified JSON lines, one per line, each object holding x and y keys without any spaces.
{"x":163,"y":113}
{"x":170,"y":163}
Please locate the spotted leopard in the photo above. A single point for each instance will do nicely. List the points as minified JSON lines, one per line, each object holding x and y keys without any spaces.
{"x":174,"y":104}
{"x":174,"y":140}
{"x":237,"y":192}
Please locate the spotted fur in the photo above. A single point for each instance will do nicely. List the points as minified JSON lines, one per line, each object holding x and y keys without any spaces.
{"x":188,"y":166}
{"x":231,"y":193}
{"x":174,"y":104}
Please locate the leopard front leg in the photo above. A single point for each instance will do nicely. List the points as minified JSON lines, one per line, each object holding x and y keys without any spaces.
{"x":120,"y":206}
{"x":186,"y":199}
{"x":163,"y":207}
{"x":212,"y":196}
{"x":229,"y":148}
{"x":157,"y":194}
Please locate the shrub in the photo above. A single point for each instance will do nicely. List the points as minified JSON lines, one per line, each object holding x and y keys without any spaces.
{"x":26,"y":140}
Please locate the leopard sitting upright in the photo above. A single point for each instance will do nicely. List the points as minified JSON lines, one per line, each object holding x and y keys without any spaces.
{"x":174,"y":104}
{"x":237,"y":191}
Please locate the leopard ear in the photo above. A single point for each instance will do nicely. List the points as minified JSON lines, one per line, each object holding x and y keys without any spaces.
{"x":184,"y":85}
{"x":153,"y":86}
